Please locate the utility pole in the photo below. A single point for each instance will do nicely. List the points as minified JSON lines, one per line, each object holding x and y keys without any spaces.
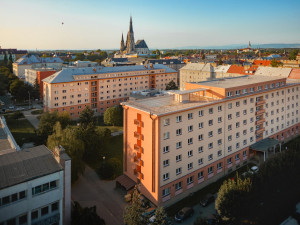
{"x":29,"y":100}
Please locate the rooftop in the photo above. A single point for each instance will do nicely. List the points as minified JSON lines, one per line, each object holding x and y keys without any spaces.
{"x":236,"y":69}
{"x":67,"y":74}
{"x":27,"y":164}
{"x":31,"y":59}
{"x":230,"y":82}
{"x":295,"y":74}
{"x":198,"y":67}
{"x":273,"y":71}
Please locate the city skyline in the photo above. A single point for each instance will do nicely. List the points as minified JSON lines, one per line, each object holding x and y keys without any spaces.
{"x":99,"y":24}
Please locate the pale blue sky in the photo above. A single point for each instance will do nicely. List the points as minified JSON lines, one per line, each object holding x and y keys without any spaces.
{"x":93,"y":24}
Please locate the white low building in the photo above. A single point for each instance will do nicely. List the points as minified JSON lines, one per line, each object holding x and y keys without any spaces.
{"x":35,"y":187}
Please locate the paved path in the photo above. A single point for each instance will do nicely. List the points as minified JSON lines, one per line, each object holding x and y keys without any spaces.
{"x":31,"y":118}
{"x":89,"y":190}
{"x":117,"y":133}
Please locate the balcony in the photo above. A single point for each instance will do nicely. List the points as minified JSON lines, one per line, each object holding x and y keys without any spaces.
{"x":260,"y":121}
{"x":260,"y":130}
{"x":259,"y":112}
{"x":138,"y":148}
{"x":260,"y":102}
{"x":138,"y":135}
{"x":138,"y":123}
{"x":140,"y":176}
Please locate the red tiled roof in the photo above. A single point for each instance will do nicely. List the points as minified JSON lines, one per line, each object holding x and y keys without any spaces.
{"x":295,"y":74}
{"x":236,"y":69}
{"x":125,"y":182}
{"x":262,"y":62}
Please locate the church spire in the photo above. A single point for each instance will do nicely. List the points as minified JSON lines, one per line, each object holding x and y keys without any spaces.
{"x":122,"y":48}
{"x":130,"y":25}
{"x":249,"y":44}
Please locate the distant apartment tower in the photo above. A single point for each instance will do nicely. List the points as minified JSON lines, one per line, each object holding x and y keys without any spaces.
{"x":13,"y":52}
{"x":33,"y":62}
{"x":35,"y":187}
{"x":175,"y":145}
{"x":72,"y":89}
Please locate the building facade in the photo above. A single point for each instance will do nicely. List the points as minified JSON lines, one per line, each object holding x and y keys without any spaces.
{"x":34,"y":188}
{"x":11,"y":52}
{"x":33,"y":62}
{"x":72,"y":89}
{"x":175,"y":145}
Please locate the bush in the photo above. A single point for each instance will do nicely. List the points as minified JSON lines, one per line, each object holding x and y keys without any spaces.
{"x":109,"y":169}
{"x":38,"y":111}
{"x":15,"y":116}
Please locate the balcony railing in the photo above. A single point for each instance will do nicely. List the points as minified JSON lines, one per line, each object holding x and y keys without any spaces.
{"x":260,"y":102}
{"x":259,"y":131}
{"x":138,"y":148}
{"x":138,"y":135}
{"x":259,"y":112}
{"x":260,"y":121}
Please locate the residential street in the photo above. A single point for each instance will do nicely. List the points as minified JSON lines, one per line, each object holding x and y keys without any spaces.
{"x":89,"y":190}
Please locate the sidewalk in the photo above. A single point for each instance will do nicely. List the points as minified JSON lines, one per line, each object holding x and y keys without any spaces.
{"x":31,"y":118}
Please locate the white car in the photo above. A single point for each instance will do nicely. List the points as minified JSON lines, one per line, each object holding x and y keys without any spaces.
{"x":254,"y":169}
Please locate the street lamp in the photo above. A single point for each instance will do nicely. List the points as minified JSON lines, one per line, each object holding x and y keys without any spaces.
{"x":29,"y":100}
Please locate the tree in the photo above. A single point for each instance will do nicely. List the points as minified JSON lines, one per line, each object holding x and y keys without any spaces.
{"x":109,"y":169}
{"x":133,"y":212}
{"x":74,"y":146}
{"x":47,"y":122}
{"x":171,"y":86}
{"x":275,"y":63}
{"x":203,"y":56}
{"x":220,"y":62}
{"x":87,"y":215}
{"x":36,"y":89}
{"x":160,"y":217}
{"x":293,"y":54}
{"x":113,"y":116}
{"x":87,"y":118}
{"x":3,"y":84}
{"x":231,"y":201}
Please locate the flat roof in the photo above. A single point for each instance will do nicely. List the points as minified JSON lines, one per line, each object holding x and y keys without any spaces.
{"x":27,"y":164}
{"x":187,"y":91}
{"x":230,"y":82}
{"x":264,"y":144}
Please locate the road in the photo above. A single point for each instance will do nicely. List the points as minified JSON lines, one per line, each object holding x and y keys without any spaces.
{"x":89,"y":190}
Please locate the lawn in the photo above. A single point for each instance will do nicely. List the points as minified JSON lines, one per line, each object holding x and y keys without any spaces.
{"x":22,"y":130}
{"x":198,"y":195}
{"x":36,"y":112}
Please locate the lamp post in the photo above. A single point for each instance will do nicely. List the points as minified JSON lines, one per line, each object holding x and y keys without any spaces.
{"x":29,"y":100}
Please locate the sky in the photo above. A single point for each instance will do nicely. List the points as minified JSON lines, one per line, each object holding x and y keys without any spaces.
{"x":98,"y":24}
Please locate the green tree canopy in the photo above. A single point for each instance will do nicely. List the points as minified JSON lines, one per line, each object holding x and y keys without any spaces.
{"x":133,"y":212}
{"x":84,"y":216}
{"x":160,"y":217}
{"x":113,"y":116}
{"x":171,"y":86}
{"x":87,"y":117}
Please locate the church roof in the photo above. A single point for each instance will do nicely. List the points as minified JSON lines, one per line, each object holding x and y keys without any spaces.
{"x":141,"y":44}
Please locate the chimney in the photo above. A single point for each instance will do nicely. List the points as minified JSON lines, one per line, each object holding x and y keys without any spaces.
{"x":64,"y":160}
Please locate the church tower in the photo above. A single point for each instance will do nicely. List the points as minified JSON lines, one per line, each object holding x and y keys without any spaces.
{"x":130,"y":45}
{"x":249,"y":44}
{"x":122,"y":47}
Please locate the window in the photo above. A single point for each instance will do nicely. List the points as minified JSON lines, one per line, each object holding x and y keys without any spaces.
{"x":179,"y":144}
{"x":220,"y":131}
{"x":45,"y":211}
{"x":244,"y":153}
{"x":190,"y":166}
{"x":166,"y":176}
{"x":190,"y":116}
{"x":211,"y":110}
{"x":237,"y":114}
{"x":229,"y":116}
{"x":230,"y":127}
{"x":167,"y":135}
{"x":244,"y":132}
{"x":178,"y":171}
{"x":229,"y":148}
{"x":210,"y":157}
{"x":219,"y":152}
{"x":190,"y":141}
{"x":166,"y":122}
{"x":245,"y":112}
{"x":210,"y":122}
{"x":219,"y":108}
{"x":178,"y":119}
{"x":166,"y":149}
{"x":200,"y":149}
{"x":179,"y":132}
{"x":45,"y":187}
{"x":237,"y":125}
{"x":219,"y":141}
{"x":229,"y":138}
{"x":200,"y":175}
{"x":237,"y":156}
{"x":210,"y":170}
{"x":200,"y":137}
{"x":200,"y":161}
{"x":210,"y":134}
{"x":190,"y":180}
{"x":178,"y":158}
{"x":200,"y":125}
{"x":237,"y":104}
{"x":34,"y":214}
{"x":245,"y":142}
{"x":54,"y":206}
{"x":245,"y":122}
{"x":190,"y":128}
{"x":178,"y":186}
{"x":166,"y":163}
{"x":229,"y":161}
{"x":166,"y":192}
{"x":201,"y":113}
{"x":237,"y":145}
{"x":229,"y":105}
{"x":210,"y":145}
{"x":219,"y":119}
{"x":190,"y":153}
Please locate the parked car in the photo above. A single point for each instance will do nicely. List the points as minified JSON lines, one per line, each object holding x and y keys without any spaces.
{"x":254,"y":169}
{"x":209,"y":198}
{"x":183,"y":214}
{"x":20,"y":109}
{"x":168,"y":221}
{"x":149,"y":212}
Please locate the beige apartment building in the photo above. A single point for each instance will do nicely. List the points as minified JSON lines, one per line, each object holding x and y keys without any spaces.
{"x":177,"y":144}
{"x":197,"y":72}
{"x":72,"y":89}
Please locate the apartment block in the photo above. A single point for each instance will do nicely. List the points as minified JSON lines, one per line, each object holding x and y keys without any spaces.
{"x":177,"y":144}
{"x":35,"y":187}
{"x":72,"y":89}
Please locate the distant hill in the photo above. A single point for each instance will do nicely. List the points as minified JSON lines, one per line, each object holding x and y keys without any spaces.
{"x":236,"y":46}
